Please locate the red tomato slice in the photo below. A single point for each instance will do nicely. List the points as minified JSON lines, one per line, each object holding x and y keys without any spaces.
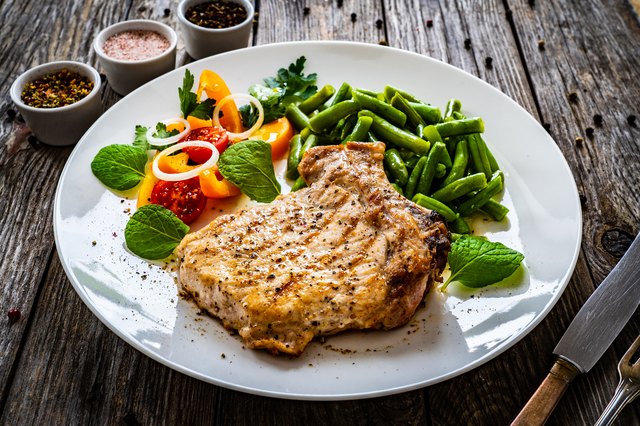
{"x":184,"y":198}
{"x":216,"y":135}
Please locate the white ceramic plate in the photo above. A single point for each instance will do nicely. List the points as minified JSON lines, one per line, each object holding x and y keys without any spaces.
{"x":455,"y":332}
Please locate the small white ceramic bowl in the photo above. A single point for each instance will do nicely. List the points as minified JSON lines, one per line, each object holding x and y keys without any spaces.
{"x":63,"y":125}
{"x":201,"y":42}
{"x":125,"y":76}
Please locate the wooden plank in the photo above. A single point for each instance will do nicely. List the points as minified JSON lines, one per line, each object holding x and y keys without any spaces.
{"x":592,"y":51}
{"x":32,"y":33}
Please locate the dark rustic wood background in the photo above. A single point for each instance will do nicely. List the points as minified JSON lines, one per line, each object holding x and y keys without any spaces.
{"x":60,"y":365}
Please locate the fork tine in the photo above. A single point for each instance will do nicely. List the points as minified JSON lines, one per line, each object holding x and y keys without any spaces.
{"x":626,"y":358}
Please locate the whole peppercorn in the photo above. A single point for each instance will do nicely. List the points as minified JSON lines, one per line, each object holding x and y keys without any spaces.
{"x":532,"y":3}
{"x":33,"y":141}
{"x":306,"y":10}
{"x":597,"y":119}
{"x":429,"y":23}
{"x":573,"y":97}
{"x":339,"y":3}
{"x":547,"y":127}
{"x":467,"y":43}
{"x":383,"y":43}
{"x":167,"y":12}
{"x":13,"y":314}
{"x":631,"y":119}
{"x":579,"y":141}
{"x":379,"y":23}
{"x":11,"y":113}
{"x":354,"y":17}
{"x":540,"y":44}
{"x":589,"y":131}
{"x":488,"y":62}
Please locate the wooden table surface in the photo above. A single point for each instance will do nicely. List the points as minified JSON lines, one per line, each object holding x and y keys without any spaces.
{"x":60,"y":365}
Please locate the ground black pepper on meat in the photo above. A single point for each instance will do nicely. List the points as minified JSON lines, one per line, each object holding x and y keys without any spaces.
{"x":216,"y":14}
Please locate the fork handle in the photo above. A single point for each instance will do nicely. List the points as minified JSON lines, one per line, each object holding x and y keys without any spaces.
{"x":544,"y":400}
{"x":626,"y":391}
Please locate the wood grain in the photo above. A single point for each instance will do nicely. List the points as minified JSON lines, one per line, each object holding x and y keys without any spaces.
{"x":60,"y":365}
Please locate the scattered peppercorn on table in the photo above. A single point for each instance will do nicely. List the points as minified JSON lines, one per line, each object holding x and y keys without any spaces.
{"x":61,"y":365}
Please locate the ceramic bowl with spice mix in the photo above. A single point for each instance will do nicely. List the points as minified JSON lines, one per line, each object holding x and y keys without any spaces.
{"x":210,"y":27}
{"x":135,"y":52}
{"x":59,"y":100}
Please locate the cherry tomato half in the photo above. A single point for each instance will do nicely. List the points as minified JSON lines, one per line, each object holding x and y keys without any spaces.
{"x":184,"y":198}
{"x":216,"y":135}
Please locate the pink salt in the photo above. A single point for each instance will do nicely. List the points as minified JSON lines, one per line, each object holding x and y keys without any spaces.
{"x":135,"y":45}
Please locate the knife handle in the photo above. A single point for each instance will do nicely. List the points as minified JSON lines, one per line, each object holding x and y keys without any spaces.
{"x":544,"y":400}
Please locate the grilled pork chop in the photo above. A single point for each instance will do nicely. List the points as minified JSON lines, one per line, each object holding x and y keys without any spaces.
{"x":347,"y":252}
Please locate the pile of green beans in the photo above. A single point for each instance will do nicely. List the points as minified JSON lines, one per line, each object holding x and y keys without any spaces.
{"x":440,"y":162}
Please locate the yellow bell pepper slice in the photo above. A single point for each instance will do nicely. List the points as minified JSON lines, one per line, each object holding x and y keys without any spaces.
{"x":215,"y":88}
{"x":175,"y":163}
{"x":146,"y":187}
{"x":212,"y":187}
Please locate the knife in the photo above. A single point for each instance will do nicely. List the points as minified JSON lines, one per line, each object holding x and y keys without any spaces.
{"x":589,"y":335}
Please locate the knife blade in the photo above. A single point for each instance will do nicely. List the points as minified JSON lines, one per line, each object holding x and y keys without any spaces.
{"x":591,"y":332}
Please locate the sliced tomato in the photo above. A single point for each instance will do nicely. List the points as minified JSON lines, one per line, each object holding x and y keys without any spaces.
{"x":216,"y":135}
{"x":184,"y":198}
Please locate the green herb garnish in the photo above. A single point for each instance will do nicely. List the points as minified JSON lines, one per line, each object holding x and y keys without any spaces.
{"x":119,"y":167}
{"x":476,"y":262}
{"x":189,"y":103}
{"x":153,"y":232}
{"x":289,"y":86}
{"x":140,"y":140}
{"x":162,"y":133}
{"x":248,"y":165}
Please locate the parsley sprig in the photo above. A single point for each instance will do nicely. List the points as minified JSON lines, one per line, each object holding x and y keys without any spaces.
{"x":189,"y":103}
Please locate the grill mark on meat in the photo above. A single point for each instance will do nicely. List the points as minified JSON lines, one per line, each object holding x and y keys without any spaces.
{"x":346,"y":252}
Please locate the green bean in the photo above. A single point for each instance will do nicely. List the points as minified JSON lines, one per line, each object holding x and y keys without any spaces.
{"x":453,"y":105}
{"x":492,"y":160}
{"x":441,"y":171}
{"x":383,"y":109}
{"x":365,"y":91}
{"x":460,"y":127}
{"x":330,"y":116}
{"x":433,"y":136}
{"x":343,"y":93}
{"x":397,"y":188}
{"x":371,"y":137}
{"x":494,"y":186}
{"x":460,"y":162}
{"x":314,"y":101}
{"x":396,"y":166}
{"x":304,"y":133}
{"x":390,"y":92}
{"x":460,"y":187}
{"x":406,"y":154}
{"x":457,"y":115}
{"x":494,"y":209}
{"x":460,"y":226}
{"x":298,"y":119}
{"x":411,"y":162}
{"x":429,"y":170}
{"x":413,"y":118}
{"x":392,"y":134}
{"x":295,"y":155}
{"x":311,"y":141}
{"x":429,"y":113}
{"x":478,"y":155}
{"x":414,"y":177}
{"x":435,"y":205}
{"x":360,"y":130}
{"x":298,"y":184}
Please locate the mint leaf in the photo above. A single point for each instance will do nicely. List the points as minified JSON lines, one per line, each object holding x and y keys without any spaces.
{"x":476,"y":262}
{"x":162,"y":133}
{"x":248,"y":165}
{"x":119,"y":167}
{"x":140,"y":140}
{"x":188,"y":99}
{"x":153,"y":232}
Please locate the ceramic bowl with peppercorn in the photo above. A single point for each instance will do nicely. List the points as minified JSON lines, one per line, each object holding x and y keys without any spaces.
{"x":210,"y":27}
{"x":59,"y":100}
{"x":135,"y":52}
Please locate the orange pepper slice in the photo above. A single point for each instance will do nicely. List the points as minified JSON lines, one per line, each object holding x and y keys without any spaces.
{"x":215,"y":88}
{"x":175,"y":163}
{"x":196,"y":123}
{"x":212,"y":187}
{"x":278,"y":133}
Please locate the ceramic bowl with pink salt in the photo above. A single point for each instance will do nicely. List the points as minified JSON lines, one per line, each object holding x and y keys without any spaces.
{"x":135,"y":52}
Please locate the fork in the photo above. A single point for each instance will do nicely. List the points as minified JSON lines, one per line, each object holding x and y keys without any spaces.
{"x":628,"y":387}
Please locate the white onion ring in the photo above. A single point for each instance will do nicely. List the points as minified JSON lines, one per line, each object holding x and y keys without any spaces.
{"x":173,"y":177}
{"x":242,"y":96}
{"x":153,"y":141}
